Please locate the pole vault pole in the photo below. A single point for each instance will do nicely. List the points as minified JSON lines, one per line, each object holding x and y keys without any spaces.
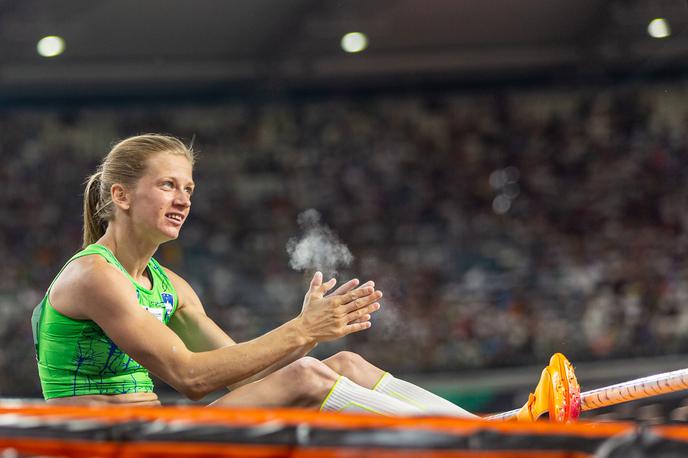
{"x":645,"y":387}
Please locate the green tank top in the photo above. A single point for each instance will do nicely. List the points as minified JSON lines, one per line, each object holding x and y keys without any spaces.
{"x":75,"y":357}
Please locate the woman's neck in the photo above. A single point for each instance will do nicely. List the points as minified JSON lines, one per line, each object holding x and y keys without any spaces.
{"x":132,"y":252}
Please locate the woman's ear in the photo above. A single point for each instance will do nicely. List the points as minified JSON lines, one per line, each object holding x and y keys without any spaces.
{"x":120,"y":196}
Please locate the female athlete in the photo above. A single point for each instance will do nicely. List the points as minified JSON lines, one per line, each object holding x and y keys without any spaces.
{"x":113,"y":314}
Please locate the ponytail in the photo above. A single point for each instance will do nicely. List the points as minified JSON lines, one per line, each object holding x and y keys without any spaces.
{"x":94,"y":224}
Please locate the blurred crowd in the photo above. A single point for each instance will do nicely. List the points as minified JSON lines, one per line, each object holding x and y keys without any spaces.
{"x":501,"y":227}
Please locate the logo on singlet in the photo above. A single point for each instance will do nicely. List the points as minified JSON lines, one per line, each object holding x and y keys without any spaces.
{"x":163,"y":309}
{"x":168,"y":300}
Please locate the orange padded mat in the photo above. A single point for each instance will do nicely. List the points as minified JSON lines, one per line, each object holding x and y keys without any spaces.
{"x":47,"y":431}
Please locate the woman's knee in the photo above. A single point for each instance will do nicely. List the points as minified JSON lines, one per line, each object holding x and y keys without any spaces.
{"x":310,"y":376}
{"x":345,"y":362}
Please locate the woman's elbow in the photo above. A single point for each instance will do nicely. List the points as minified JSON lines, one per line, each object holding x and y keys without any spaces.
{"x":187,"y":381}
{"x":192,"y":388}
{"x":194,"y":395}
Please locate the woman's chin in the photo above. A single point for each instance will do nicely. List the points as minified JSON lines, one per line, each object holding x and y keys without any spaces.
{"x":168,"y":234}
{"x":174,"y":236}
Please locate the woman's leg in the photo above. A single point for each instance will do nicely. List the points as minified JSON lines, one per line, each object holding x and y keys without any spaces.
{"x":309,"y":383}
{"x":303,"y":383}
{"x":356,"y":368}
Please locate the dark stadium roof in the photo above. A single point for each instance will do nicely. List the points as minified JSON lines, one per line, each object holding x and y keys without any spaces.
{"x":173,"y":42}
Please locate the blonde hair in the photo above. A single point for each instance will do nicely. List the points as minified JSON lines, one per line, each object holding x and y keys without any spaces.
{"x":125,"y":164}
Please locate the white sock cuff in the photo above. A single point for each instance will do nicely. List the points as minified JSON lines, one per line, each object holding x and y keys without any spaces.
{"x":334,"y":399}
{"x":418,"y":397}
{"x":383,"y":382}
{"x":346,"y":395}
{"x":345,"y":392}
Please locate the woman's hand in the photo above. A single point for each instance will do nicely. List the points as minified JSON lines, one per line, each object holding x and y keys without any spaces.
{"x":343,"y":312}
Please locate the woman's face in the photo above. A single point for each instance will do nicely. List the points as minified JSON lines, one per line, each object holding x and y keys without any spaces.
{"x":162,"y":198}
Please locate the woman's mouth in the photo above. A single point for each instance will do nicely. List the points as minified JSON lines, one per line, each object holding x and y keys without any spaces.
{"x":175,"y":218}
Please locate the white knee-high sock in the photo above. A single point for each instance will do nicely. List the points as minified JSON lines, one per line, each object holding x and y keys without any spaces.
{"x":346,"y":396}
{"x":423,"y":399}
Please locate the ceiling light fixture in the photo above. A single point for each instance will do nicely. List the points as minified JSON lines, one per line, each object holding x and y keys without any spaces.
{"x":354,"y":42}
{"x":50,"y":46}
{"x":658,"y":28}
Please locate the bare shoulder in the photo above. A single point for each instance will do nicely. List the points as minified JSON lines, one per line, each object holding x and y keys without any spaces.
{"x":174,"y":278}
{"x":88,"y":280}
{"x":186,"y":294}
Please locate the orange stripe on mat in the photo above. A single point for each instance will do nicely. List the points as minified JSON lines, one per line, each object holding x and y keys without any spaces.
{"x":377,"y":453}
{"x":77,"y":449}
{"x":677,"y":433}
{"x":248,"y":417}
{"x":57,"y":447}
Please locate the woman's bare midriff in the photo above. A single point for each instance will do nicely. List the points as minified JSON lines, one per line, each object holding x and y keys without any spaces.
{"x":125,"y":399}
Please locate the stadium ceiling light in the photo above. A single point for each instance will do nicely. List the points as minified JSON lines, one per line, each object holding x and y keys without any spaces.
{"x":658,"y":28}
{"x":50,"y":46}
{"x":354,"y":42}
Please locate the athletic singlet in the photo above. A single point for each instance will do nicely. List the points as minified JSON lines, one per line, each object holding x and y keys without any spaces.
{"x":75,"y":357}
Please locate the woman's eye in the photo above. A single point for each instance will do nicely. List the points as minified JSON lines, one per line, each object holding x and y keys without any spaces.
{"x":168,"y":184}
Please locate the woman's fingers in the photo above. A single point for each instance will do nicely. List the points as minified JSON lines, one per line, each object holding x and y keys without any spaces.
{"x":352,"y":303}
{"x":360,"y":298}
{"x":346,"y":287}
{"x":317,"y":288}
{"x":328,"y":285}
{"x":356,"y":294}
{"x":316,"y":280}
{"x":356,"y":327}
{"x":350,"y":285}
{"x":363,"y":319}
{"x":359,"y":313}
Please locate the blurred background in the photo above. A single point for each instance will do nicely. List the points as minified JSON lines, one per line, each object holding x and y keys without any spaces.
{"x":512,"y":174}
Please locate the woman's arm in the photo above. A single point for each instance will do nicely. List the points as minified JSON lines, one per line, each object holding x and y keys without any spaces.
{"x":190,"y":322}
{"x":200,"y":333}
{"x":301,"y":352}
{"x":97,"y":291}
